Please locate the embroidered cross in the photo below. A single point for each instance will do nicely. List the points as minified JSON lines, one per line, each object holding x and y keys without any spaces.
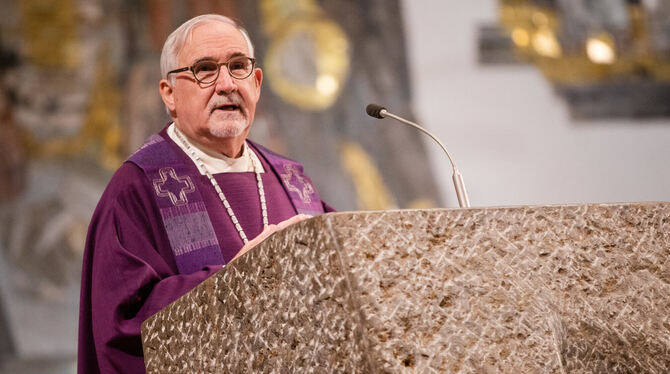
{"x":302,"y":187}
{"x":172,"y":186}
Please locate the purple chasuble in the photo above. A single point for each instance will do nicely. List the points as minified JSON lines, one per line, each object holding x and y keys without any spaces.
{"x":130,"y":271}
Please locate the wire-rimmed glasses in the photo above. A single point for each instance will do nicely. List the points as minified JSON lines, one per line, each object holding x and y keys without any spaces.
{"x":207,"y":71}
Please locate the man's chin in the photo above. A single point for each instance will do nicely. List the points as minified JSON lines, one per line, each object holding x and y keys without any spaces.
{"x":228,"y":131}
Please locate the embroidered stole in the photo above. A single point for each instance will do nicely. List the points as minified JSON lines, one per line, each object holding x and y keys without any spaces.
{"x":183,"y":211}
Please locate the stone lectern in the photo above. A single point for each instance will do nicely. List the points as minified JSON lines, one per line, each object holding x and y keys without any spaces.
{"x":552,"y":289}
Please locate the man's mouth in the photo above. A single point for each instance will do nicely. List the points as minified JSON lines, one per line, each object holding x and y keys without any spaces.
{"x":227,"y":108}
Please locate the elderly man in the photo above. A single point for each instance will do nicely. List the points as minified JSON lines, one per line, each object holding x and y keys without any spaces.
{"x":191,"y":199}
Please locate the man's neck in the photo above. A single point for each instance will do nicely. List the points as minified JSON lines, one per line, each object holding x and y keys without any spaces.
{"x":231,"y":149}
{"x":215,"y":161}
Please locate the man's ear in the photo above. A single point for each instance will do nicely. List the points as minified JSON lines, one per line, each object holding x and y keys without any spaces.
{"x":258,"y":79}
{"x":167,"y":94}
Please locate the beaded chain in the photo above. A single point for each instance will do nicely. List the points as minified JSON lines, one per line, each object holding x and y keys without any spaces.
{"x":222,"y":197}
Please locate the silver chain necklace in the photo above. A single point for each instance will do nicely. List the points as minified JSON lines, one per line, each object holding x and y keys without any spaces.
{"x":222,"y":197}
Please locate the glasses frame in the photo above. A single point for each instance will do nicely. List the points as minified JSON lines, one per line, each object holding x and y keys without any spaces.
{"x":218,"y":69}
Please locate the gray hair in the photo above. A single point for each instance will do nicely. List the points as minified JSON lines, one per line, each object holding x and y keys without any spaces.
{"x":175,"y":42}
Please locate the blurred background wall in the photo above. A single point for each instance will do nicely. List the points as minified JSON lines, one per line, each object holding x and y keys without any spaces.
{"x":79,"y":93}
{"x":511,"y":133}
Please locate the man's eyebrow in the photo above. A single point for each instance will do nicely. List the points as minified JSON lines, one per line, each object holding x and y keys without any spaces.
{"x":206,"y":58}
{"x":210,"y":58}
{"x":237,"y":54}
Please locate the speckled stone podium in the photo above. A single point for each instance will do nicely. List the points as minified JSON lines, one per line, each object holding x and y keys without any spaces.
{"x":554,"y":289}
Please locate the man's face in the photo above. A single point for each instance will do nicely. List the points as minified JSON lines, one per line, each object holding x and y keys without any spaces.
{"x":219,"y":113}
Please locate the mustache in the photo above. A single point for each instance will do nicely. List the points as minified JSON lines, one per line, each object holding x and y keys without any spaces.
{"x":232,"y":99}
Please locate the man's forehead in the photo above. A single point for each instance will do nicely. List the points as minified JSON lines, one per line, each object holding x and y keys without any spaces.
{"x":214,"y":40}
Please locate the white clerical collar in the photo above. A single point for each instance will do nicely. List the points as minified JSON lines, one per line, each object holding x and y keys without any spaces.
{"x":214,"y":161}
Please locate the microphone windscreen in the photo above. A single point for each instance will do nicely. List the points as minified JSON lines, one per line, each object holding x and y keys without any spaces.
{"x":374,"y":110}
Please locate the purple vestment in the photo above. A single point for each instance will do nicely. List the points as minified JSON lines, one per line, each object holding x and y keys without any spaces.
{"x":129,"y":270}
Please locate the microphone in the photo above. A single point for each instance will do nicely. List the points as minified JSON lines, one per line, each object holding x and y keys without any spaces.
{"x":375,"y":110}
{"x":378,"y":111}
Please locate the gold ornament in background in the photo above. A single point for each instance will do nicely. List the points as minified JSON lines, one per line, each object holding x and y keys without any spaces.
{"x":535,"y":31}
{"x":658,"y":65}
{"x":307,"y":61}
{"x":49,"y":29}
{"x":275,"y":13}
{"x":101,"y":132}
{"x":545,"y":44}
{"x":102,"y":125}
{"x":371,"y":192}
{"x":532,"y":28}
{"x":600,"y":48}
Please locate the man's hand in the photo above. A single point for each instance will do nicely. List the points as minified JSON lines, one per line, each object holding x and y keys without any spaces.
{"x":270,"y":230}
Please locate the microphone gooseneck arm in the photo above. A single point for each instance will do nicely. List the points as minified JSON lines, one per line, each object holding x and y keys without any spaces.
{"x":378,"y":111}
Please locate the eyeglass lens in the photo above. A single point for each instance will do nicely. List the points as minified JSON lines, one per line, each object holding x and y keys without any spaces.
{"x":207,"y":71}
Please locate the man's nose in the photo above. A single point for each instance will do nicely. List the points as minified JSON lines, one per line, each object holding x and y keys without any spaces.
{"x":225,"y":83}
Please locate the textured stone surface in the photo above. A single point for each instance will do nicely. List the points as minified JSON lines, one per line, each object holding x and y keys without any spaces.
{"x":531,"y":289}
